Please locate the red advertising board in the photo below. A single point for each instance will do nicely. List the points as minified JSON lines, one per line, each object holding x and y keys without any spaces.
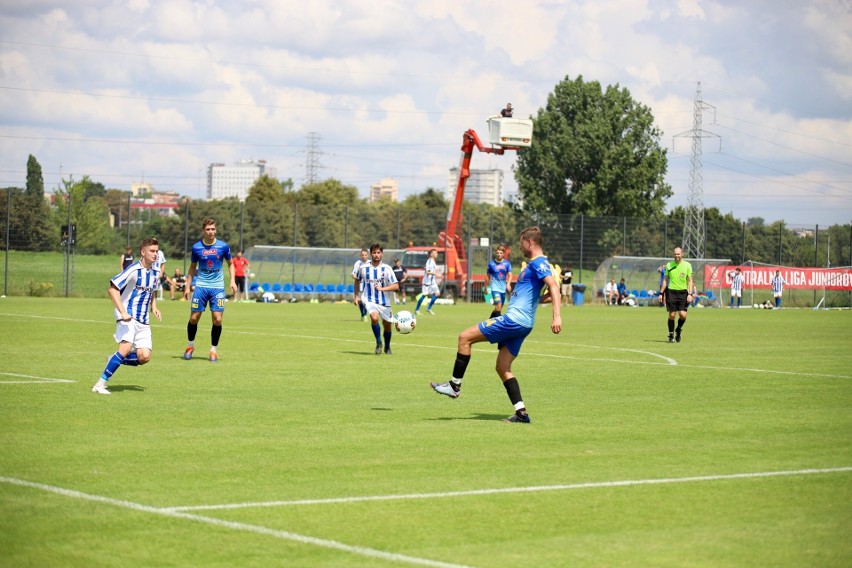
{"x":719,"y":276}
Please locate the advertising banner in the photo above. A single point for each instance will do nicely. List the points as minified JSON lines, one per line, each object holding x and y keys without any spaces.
{"x":719,"y":276}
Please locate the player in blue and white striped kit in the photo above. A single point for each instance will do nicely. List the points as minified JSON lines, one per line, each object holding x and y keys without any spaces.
{"x":374,"y":287}
{"x":737,"y":282}
{"x":209,"y":256}
{"x":778,"y":288}
{"x":132,"y":294}
{"x":363,"y":260}
{"x":430,"y":283}
{"x":509,"y":331}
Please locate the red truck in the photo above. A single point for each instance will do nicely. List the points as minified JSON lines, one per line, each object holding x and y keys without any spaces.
{"x":452,"y":276}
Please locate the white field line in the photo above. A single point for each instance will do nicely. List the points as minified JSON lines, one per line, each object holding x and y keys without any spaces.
{"x":34,"y":380}
{"x":531,"y":489}
{"x":668,"y":361}
{"x":245,"y":527}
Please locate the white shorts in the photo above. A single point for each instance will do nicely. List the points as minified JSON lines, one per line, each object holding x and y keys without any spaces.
{"x":431,"y":289}
{"x":777,"y":294}
{"x":135,"y":333}
{"x":384,"y":312}
{"x":736,"y":294}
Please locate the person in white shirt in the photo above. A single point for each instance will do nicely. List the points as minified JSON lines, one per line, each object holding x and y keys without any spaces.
{"x":737,"y":282}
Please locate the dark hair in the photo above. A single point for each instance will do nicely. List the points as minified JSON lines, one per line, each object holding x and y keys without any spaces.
{"x":375,"y":247}
{"x":207,"y":221}
{"x":148,"y":242}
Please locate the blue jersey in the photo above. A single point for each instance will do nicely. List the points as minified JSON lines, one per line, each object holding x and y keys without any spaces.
{"x":499,"y":271}
{"x":372,"y":277}
{"x":526,"y":293}
{"x":209,"y":260}
{"x":137,"y":285}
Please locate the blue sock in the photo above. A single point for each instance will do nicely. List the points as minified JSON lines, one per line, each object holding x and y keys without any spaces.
{"x":432,"y":302}
{"x":112,"y":365}
{"x":377,"y":331}
{"x":419,"y":302}
{"x":387,"y":339}
{"x":132,"y":359}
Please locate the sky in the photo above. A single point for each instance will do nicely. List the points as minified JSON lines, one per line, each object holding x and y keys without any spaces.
{"x":155,"y":90}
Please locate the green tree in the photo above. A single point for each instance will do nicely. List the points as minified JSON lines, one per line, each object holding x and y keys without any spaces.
{"x":268,"y":215}
{"x":594,"y":152}
{"x":91,"y":216}
{"x":322,"y":206}
{"x":30,"y":223}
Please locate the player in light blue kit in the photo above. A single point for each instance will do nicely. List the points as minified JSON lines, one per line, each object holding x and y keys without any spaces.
{"x":208,"y":257}
{"x":509,"y":331}
{"x":499,"y":280}
{"x":132,"y":294}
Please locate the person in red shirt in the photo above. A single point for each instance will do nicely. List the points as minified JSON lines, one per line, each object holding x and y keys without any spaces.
{"x":240,"y":263}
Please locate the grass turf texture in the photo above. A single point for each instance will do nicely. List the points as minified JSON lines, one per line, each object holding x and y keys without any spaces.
{"x":299,"y":408}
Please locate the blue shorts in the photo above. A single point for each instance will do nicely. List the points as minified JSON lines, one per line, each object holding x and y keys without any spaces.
{"x":202,"y":296}
{"x":505,"y":333}
{"x":498,"y":297}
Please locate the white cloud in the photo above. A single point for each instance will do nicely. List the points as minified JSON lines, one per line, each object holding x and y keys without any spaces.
{"x":392,"y":86}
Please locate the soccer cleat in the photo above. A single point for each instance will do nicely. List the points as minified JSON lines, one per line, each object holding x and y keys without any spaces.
{"x":671,"y":338}
{"x":416,"y":312}
{"x":677,"y":336}
{"x":446,"y":389}
{"x":388,"y":351}
{"x":378,"y":349}
{"x":100,"y":389}
{"x":188,"y":353}
{"x":431,"y":313}
{"x":521,"y":418}
{"x":214,"y":357}
{"x":363,"y":318}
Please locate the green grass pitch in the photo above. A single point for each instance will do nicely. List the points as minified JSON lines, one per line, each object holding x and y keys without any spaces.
{"x":300,"y":447}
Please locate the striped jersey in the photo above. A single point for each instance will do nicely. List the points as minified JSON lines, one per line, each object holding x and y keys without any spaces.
{"x":778,"y":284}
{"x":209,"y":260}
{"x":137,"y":285}
{"x":498,"y":272}
{"x":526,"y":294}
{"x":431,"y":269}
{"x":372,"y":277}
{"x":737,"y":282}
{"x":356,"y":270}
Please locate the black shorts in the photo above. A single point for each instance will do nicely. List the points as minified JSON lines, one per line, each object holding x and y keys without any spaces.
{"x":240,"y":281}
{"x":676,"y":300}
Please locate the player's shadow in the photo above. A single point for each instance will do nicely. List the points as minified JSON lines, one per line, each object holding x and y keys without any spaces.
{"x":118,"y":388}
{"x":475,"y":416}
{"x":365,"y":353}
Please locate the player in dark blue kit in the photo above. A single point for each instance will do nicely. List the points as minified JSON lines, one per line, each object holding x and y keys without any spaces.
{"x":208,"y":257}
{"x":510,"y":330}
{"x":498,"y":279}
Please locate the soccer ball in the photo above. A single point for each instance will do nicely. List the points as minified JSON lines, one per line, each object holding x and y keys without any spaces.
{"x":756,"y":306}
{"x":405,"y":322}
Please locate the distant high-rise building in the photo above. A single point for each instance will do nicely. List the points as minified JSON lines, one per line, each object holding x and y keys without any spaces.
{"x":386,"y":188}
{"x":483,"y":186}
{"x":233,"y":181}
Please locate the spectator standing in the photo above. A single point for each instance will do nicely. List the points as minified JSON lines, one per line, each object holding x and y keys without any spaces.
{"x":498,"y":279}
{"x":509,"y":331}
{"x":132,"y":292}
{"x":777,"y":285}
{"x":399,"y":272}
{"x":676,"y":289}
{"x":567,"y":276}
{"x":209,"y":256}
{"x":507,"y":112}
{"x":375,"y":279}
{"x":240,"y":263}
{"x":127,"y":258}
{"x":737,"y":281}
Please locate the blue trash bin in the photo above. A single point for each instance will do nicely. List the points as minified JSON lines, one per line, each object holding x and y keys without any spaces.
{"x":578,"y":292}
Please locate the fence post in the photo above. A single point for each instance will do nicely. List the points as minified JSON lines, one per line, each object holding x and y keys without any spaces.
{"x":8,"y":232}
{"x":582,"y":228}
{"x":186,"y":235}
